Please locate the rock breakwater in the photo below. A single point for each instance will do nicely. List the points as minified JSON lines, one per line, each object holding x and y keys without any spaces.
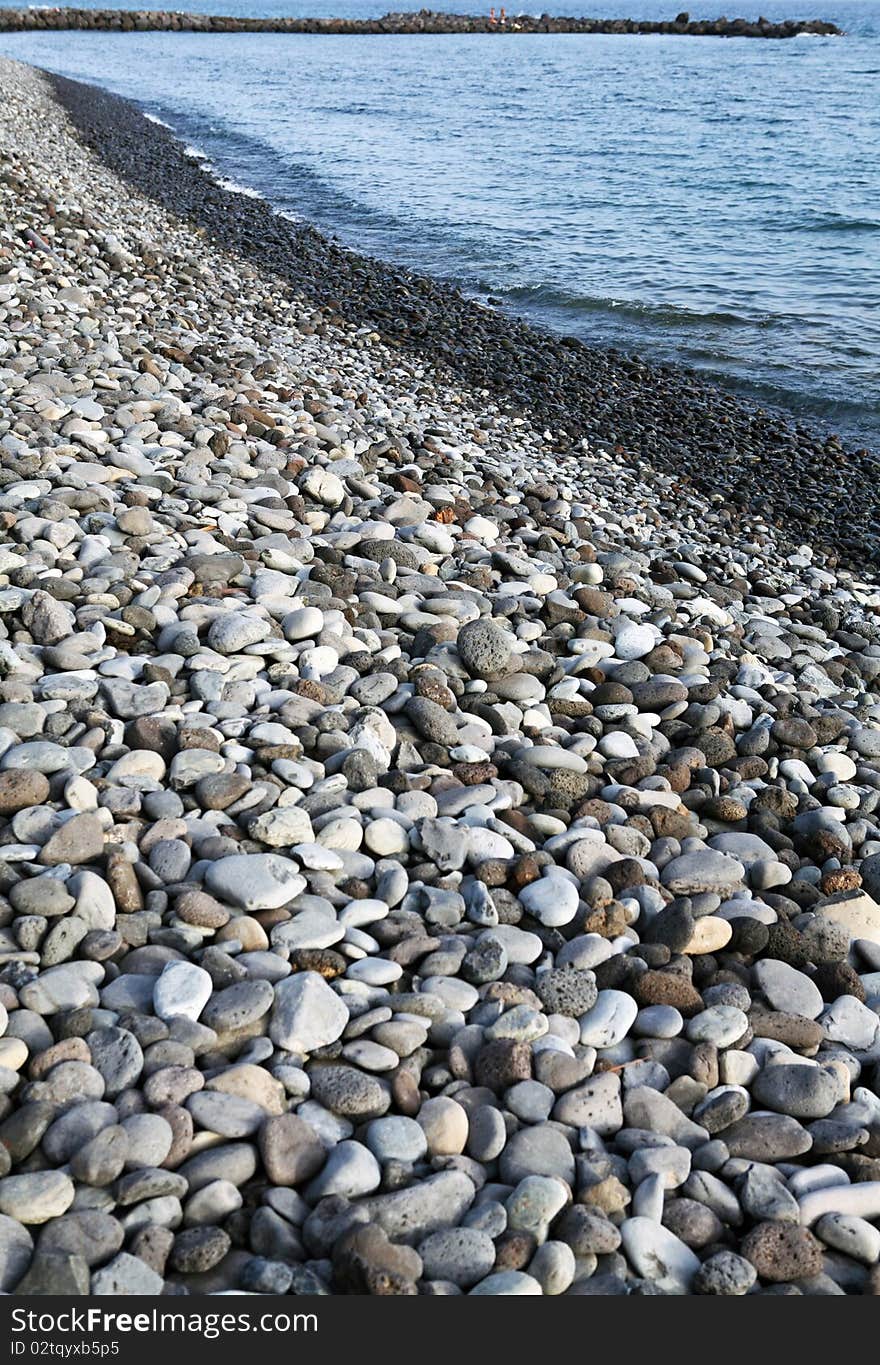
{"x":423,"y":21}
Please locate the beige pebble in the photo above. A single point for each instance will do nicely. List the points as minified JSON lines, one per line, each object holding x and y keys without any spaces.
{"x":248,"y":931}
{"x":445,"y":1125}
{"x":710,"y":935}
{"x":13,"y":1053}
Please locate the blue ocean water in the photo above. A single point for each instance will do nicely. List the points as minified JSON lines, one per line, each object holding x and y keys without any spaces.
{"x":713,"y":202}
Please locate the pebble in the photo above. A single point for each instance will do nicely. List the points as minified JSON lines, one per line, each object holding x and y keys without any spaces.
{"x":125,"y":1275}
{"x":291,"y":1150}
{"x":551,"y":900}
{"x":705,"y":871}
{"x":484,"y":649}
{"x":36,"y":1198}
{"x":16,"y":1250}
{"x":782,"y":1252}
{"x":537,"y":1150}
{"x":307,"y":1014}
{"x":787,"y":989}
{"x":396,"y":1139}
{"x":850,"y":1022}
{"x":804,"y":1092}
{"x":725,"y":1274}
{"x":861,"y":1201}
{"x":262,"y":881}
{"x":350,"y":1170}
{"x":853,"y":1237}
{"x":182,"y":991}
{"x":463,"y":1256}
{"x":508,"y":1282}
{"x":767,"y":1137}
{"x":659,"y":1256}
{"x":445,"y":1125}
{"x":553,"y":1266}
{"x":609,"y":1020}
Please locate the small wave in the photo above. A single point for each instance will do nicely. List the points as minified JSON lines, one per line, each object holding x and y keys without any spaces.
{"x":154,"y":118}
{"x":546,"y":296}
{"x":837,"y":222}
{"x":194,"y":153}
{"x":234,"y":187}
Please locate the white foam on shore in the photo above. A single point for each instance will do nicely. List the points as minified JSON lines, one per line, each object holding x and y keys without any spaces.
{"x":193,"y":153}
{"x":235,"y":188}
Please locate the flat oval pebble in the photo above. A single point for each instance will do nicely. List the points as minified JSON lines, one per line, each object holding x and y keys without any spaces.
{"x":261,"y":881}
{"x":705,"y":870}
{"x":657,"y":1254}
{"x":609,"y":1020}
{"x":36,"y":1198}
{"x":552,"y":900}
{"x":721,"y":1025}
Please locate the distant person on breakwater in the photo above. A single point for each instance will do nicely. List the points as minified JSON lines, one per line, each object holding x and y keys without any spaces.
{"x":492,"y":19}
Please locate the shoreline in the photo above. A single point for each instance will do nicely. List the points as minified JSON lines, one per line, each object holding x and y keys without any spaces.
{"x":422,"y":22}
{"x":760,"y":460}
{"x":436,"y":859}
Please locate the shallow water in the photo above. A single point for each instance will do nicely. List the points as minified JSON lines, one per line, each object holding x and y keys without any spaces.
{"x":709,"y":201}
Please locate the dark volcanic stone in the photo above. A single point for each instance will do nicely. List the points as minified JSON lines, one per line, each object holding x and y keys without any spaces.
{"x":566,"y":990}
{"x":782,"y":1251}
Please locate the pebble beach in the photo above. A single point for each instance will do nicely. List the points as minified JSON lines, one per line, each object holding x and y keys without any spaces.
{"x":439,"y":770}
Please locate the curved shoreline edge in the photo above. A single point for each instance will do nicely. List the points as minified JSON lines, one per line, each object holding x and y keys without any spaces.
{"x":809,"y":487}
{"x":421,"y":22}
